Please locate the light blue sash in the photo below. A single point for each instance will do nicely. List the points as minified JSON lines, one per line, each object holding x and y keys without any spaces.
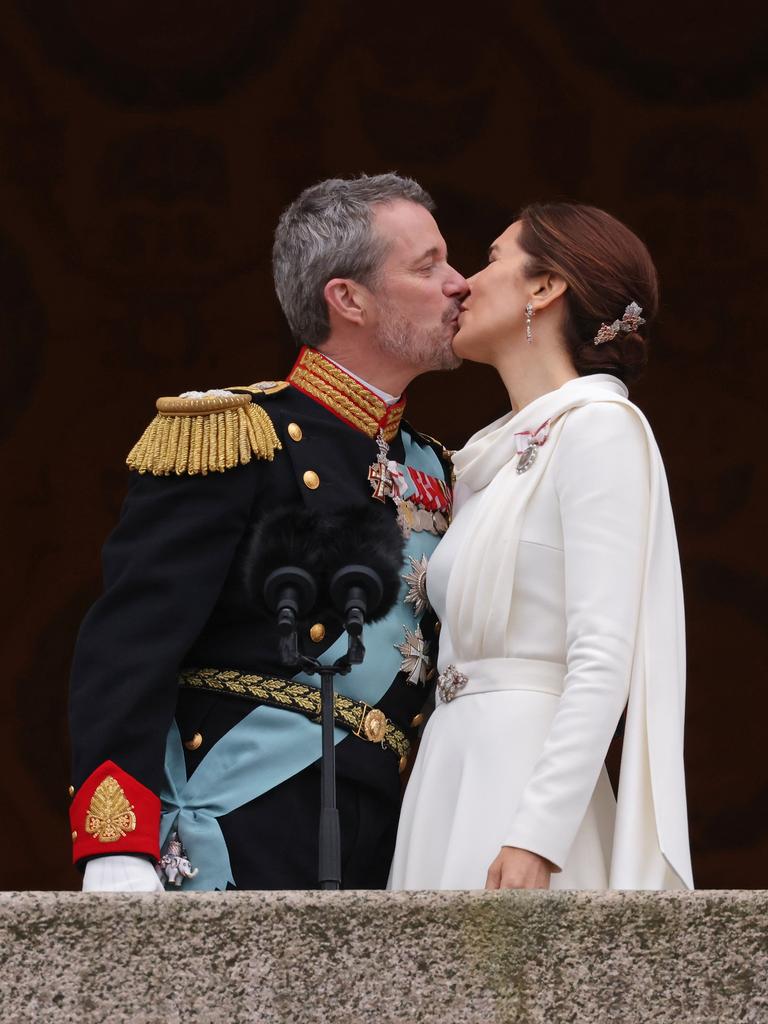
{"x":270,"y":745}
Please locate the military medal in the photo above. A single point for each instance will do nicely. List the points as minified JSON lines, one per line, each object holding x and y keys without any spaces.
{"x":440,"y":521}
{"x":405,"y":517}
{"x":528,"y":444}
{"x":379,"y":473}
{"x":417,"y":585}
{"x":415,"y":652}
{"x":432,"y":493}
{"x":429,"y":513}
{"x":387,"y":482}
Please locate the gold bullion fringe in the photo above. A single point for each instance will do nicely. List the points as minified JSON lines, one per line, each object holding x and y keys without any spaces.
{"x":180,"y":442}
{"x":290,"y":695}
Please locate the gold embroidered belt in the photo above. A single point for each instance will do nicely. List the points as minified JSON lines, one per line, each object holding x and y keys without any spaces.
{"x":360,"y":718}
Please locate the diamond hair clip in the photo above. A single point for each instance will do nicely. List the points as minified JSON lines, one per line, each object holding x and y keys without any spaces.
{"x":628,"y":323}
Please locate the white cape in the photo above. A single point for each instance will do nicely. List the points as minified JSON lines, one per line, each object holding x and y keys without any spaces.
{"x":650,"y":843}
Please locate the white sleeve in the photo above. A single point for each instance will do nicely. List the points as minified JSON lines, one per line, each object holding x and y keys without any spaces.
{"x":121,"y":873}
{"x":602,"y":480}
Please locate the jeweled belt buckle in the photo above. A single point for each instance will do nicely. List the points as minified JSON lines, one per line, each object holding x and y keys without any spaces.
{"x":450,"y":682}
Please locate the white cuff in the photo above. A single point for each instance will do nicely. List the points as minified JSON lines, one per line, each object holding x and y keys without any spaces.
{"x":121,"y":873}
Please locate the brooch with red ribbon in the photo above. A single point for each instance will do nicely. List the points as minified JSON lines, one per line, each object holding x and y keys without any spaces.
{"x":528,"y":444}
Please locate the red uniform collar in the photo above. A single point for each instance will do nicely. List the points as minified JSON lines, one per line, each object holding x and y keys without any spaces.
{"x":319,"y":378}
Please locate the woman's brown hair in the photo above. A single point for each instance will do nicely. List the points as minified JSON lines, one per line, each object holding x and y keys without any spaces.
{"x":605,"y":266}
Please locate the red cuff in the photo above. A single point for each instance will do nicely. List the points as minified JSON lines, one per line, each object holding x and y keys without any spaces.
{"x":113,"y":813}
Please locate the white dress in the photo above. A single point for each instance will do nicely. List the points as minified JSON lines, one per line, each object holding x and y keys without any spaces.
{"x":548,"y":640}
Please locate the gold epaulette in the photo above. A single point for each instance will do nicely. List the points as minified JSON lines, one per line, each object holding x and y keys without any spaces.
{"x":203,"y":435}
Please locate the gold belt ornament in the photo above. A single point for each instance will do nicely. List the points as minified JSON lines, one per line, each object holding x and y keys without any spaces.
{"x":361,"y":719}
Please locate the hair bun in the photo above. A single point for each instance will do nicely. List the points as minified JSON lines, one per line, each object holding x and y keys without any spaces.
{"x":626,"y":357}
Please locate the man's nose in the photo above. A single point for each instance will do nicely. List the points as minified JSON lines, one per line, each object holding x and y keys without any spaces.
{"x":456,"y":285}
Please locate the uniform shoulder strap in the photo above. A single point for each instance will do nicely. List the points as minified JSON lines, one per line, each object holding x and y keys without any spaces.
{"x":263,"y":387}
{"x":445,"y":453}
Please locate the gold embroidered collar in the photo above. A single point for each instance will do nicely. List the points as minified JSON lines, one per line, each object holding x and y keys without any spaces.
{"x":345,"y":397}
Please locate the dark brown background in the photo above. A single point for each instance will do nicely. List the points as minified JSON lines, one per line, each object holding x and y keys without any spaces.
{"x":146,"y":150}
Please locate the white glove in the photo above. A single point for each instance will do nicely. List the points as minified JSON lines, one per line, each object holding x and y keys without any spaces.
{"x":121,"y":873}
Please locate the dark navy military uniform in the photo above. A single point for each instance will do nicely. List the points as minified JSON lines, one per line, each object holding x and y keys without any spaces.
{"x":238,"y":779}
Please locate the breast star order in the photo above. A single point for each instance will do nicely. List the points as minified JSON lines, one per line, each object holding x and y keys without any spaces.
{"x":417,"y":585}
{"x":415,"y":652}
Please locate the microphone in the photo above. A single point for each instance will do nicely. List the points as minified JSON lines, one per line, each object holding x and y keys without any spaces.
{"x":366,"y":560}
{"x":354,"y":590}
{"x":292,"y":593}
{"x":351,"y":560}
{"x":281,"y":570}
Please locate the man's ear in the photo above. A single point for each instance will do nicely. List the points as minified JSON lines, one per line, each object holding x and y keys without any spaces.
{"x":346,"y":299}
{"x":549,"y":287}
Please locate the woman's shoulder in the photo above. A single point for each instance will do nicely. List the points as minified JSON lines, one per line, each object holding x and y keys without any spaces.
{"x":607,"y":432}
{"x":606,"y":419}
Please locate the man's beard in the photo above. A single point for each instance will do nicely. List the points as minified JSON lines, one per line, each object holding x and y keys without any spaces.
{"x":429,"y":348}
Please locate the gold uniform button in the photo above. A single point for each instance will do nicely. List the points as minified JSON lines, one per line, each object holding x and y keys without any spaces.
{"x":417,"y":720}
{"x":437,"y":628}
{"x":403,"y":763}
{"x":195,"y":743}
{"x":71,"y":790}
{"x":74,"y":836}
{"x":317,"y":633}
{"x":295,"y":432}
{"x":311,"y":480}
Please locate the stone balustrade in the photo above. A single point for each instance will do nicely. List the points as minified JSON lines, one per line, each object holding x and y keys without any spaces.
{"x":411,"y":958}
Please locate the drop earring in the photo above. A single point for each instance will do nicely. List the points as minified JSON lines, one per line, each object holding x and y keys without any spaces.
{"x":529,"y":322}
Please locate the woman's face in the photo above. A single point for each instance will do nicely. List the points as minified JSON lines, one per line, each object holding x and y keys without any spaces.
{"x":493,"y":314}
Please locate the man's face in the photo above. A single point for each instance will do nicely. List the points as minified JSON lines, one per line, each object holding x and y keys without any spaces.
{"x":417,"y":294}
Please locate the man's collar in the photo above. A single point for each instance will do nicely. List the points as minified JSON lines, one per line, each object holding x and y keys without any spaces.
{"x":386,"y":398}
{"x":344,"y":395}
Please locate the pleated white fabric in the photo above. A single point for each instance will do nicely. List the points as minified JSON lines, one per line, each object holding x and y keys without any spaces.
{"x":121,"y":873}
{"x":560,"y":595}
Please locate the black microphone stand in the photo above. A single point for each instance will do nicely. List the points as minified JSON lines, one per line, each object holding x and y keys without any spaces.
{"x":329,"y":860}
{"x":353,"y":589}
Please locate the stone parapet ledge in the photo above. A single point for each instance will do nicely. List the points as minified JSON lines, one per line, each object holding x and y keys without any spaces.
{"x":295,"y":957}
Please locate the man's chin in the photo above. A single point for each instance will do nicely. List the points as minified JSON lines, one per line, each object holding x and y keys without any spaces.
{"x":446,"y":359}
{"x":454,"y":363}
{"x":423,"y":353}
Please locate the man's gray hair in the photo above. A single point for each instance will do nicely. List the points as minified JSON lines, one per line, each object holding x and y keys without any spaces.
{"x":328,"y":232}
